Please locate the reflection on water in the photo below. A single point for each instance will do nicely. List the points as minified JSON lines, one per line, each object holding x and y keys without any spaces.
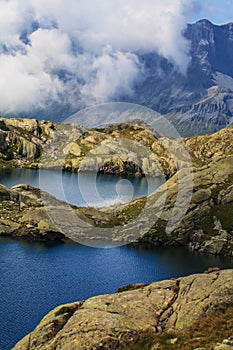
{"x":85,"y":189}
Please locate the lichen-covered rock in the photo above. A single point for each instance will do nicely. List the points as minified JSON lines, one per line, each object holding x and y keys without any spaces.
{"x":72,"y":149}
{"x":226,"y":195}
{"x":131,"y":319}
{"x":227,"y":344}
{"x":201,"y":195}
{"x":22,"y":214}
{"x":8,"y":227}
{"x":25,"y":124}
{"x":4,"y":193}
{"x":28,"y":149}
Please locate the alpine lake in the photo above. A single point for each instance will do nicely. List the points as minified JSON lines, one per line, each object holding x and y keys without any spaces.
{"x":35,"y":277}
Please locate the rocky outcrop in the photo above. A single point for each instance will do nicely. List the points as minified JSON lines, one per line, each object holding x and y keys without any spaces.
{"x":199,"y":200}
{"x":71,"y":147}
{"x":22,"y":140}
{"x":205,"y":225}
{"x":128,"y":148}
{"x":134,"y":319}
{"x":210,"y":147}
{"x":23,"y":215}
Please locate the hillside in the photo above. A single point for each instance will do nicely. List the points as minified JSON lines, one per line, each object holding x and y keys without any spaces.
{"x":202,"y":100}
{"x":198,"y":102}
{"x":193,"y":208}
{"x":128,"y":148}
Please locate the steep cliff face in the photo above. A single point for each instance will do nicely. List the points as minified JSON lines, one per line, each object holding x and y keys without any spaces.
{"x":22,"y":140}
{"x":201,"y":101}
{"x":209,"y":42}
{"x":134,"y":319}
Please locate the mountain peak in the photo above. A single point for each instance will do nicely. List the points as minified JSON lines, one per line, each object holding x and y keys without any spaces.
{"x":204,"y":21}
{"x":207,"y":22}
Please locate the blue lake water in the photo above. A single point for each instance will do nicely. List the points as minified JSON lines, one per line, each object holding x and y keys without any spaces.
{"x":36,"y":277}
{"x":85,"y":189}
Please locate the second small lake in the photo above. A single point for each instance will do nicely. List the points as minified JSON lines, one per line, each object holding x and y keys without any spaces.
{"x":84,"y":189}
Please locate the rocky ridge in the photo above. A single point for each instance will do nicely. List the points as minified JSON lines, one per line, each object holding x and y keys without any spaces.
{"x":22,"y":214}
{"x":201,"y":101}
{"x":138,"y":319}
{"x":128,"y":148}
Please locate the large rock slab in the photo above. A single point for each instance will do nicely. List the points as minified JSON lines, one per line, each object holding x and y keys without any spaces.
{"x":131,"y":319}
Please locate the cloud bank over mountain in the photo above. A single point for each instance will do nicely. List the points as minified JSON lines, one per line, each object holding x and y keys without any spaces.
{"x":82,"y":52}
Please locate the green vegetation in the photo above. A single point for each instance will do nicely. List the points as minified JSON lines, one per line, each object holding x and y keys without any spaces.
{"x":204,"y":333}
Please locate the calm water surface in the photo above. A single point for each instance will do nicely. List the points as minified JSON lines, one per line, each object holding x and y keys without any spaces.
{"x":83,"y":189}
{"x":36,"y":277}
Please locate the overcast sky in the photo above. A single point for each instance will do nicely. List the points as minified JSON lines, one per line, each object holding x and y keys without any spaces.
{"x":87,"y":50}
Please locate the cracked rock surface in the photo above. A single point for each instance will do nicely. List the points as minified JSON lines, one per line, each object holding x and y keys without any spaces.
{"x":131,"y":319}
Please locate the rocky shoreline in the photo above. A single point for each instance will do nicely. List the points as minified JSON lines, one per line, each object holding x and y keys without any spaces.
{"x":198,"y":193}
{"x":206,"y":227}
{"x":128,"y":148}
{"x":193,"y":208}
{"x":172,"y":314}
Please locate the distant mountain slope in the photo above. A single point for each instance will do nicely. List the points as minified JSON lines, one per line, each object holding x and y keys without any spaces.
{"x":201,"y":101}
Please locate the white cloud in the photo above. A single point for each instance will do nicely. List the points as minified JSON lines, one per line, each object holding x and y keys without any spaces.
{"x":94,"y":43}
{"x":115,"y":73}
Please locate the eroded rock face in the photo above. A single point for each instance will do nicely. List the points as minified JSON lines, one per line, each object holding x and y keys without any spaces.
{"x":21,"y":141}
{"x":131,"y":319}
